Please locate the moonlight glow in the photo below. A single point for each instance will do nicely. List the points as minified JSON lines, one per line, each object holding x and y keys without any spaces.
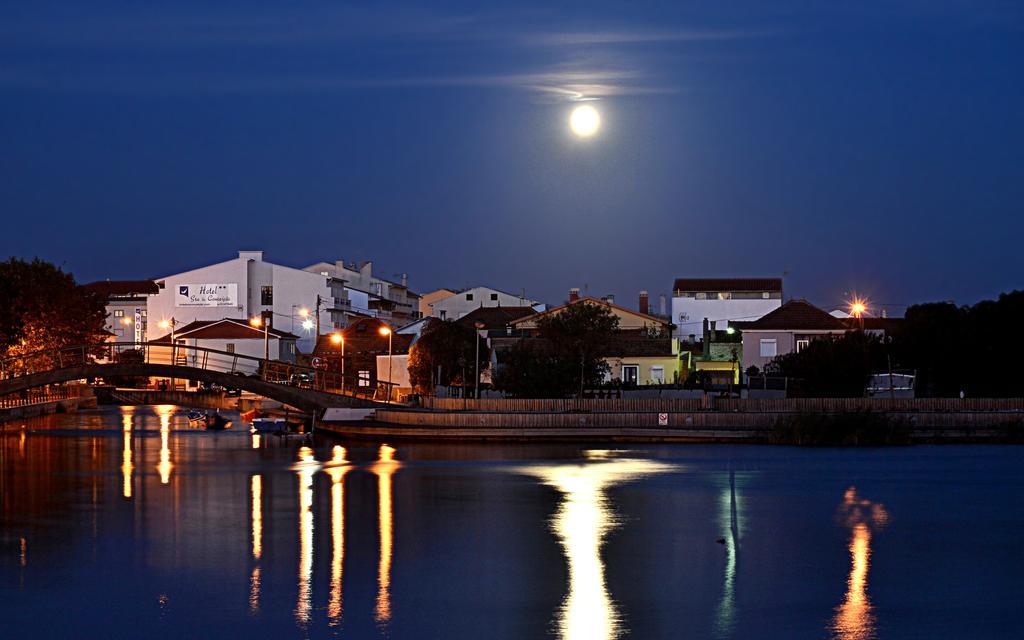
{"x":585,"y":121}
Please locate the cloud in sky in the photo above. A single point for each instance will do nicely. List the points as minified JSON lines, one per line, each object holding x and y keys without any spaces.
{"x":178,"y":50}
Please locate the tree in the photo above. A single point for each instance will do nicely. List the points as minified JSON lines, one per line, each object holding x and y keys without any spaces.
{"x":42,"y":308}
{"x":566,"y":357}
{"x":452,"y":348}
{"x":833,"y":366}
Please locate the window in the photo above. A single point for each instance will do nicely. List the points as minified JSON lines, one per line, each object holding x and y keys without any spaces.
{"x":118,"y":313}
{"x":700,"y":296}
{"x":142,"y":313}
{"x":658,"y":375}
{"x":230,"y":348}
{"x":765,"y":295}
{"x":724,"y":295}
{"x":469,"y":297}
{"x":267,"y":294}
{"x":769,"y":348}
{"x":443,"y":314}
{"x":630,"y":373}
{"x":801,"y":344}
{"x":364,"y":378}
{"x":494,"y":297}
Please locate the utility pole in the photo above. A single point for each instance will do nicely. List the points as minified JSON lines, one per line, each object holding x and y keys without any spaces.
{"x":317,"y":320}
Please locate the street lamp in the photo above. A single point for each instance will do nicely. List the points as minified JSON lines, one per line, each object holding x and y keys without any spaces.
{"x":386,"y":331}
{"x":165,"y":324}
{"x":337,"y":338}
{"x":257,"y":321}
{"x":479,"y":326}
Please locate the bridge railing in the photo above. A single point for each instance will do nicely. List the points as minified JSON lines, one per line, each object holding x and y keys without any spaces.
{"x":183,"y":355}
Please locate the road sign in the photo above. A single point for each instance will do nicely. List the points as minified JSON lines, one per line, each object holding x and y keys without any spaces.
{"x":662,"y":419}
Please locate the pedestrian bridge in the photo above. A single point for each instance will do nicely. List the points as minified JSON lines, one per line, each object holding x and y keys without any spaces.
{"x":110,"y":361}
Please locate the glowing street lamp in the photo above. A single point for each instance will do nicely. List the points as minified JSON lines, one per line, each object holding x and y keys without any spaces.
{"x":257,"y":322}
{"x":170,"y":324}
{"x":858,"y":308}
{"x":386,"y":331}
{"x":337,"y":338}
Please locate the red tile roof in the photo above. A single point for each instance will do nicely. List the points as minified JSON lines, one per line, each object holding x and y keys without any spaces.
{"x":727,"y":284}
{"x":797,"y":315}
{"x":495,"y":318}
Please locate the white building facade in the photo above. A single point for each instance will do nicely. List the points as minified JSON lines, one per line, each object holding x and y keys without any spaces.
{"x":462,"y":303}
{"x":242,"y":288}
{"x":721,"y":300}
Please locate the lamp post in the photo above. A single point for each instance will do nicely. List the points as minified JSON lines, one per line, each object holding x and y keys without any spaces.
{"x":386,"y":331}
{"x":258,"y":321}
{"x":337,"y":338}
{"x":164,"y":324}
{"x":479,"y":326}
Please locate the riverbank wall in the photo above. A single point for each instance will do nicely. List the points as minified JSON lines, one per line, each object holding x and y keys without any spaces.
{"x":67,"y":399}
{"x":795,"y":421}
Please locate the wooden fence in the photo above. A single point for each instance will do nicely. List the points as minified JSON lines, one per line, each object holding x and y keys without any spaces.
{"x":710,"y":403}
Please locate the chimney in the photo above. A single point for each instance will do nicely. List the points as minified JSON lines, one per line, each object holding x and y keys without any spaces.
{"x":644,"y":305}
{"x":574,"y":294}
{"x":610,"y":298}
{"x":405,"y":280}
{"x":251,"y":255}
{"x":662,"y":306}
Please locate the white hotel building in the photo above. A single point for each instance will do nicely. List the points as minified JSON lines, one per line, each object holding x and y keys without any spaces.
{"x":242,"y":288}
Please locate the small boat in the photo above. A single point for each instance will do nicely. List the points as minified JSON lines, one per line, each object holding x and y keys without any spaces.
{"x":217,"y":422}
{"x":212,"y":421}
{"x":269,"y":425}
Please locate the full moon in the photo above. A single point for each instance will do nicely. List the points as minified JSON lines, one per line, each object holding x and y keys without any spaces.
{"x":585,"y":121}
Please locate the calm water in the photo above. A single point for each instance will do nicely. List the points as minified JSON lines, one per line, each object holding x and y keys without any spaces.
{"x":126,"y":523}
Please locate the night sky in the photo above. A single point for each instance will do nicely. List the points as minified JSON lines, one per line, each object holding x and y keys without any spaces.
{"x":876,"y":147}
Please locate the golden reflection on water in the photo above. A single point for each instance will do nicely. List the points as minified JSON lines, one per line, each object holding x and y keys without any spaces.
{"x":583,"y":519}
{"x":126,"y":453}
{"x":855,"y":618}
{"x":336,"y":468}
{"x":254,"y":591}
{"x":255,"y":441}
{"x":729,"y":521}
{"x":385,"y":467}
{"x":164,"y":412}
{"x":256,"y":488}
{"x":256,"y":485}
{"x":306,"y":468}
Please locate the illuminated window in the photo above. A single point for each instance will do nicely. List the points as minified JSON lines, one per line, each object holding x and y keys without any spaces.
{"x":364,"y":378}
{"x":267,"y":294}
{"x":769,"y":348}
{"x":802,"y":344}
{"x":724,"y":295}
{"x":765,"y":295}
{"x":118,"y":313}
{"x":701,"y":296}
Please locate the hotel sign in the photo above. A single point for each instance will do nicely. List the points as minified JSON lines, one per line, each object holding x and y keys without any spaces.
{"x":206,"y":295}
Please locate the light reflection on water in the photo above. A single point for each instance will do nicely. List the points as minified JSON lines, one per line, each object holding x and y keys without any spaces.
{"x":384,"y":468}
{"x":583,"y":519}
{"x":220,"y":533}
{"x":855,"y":618}
{"x":336,"y":468}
